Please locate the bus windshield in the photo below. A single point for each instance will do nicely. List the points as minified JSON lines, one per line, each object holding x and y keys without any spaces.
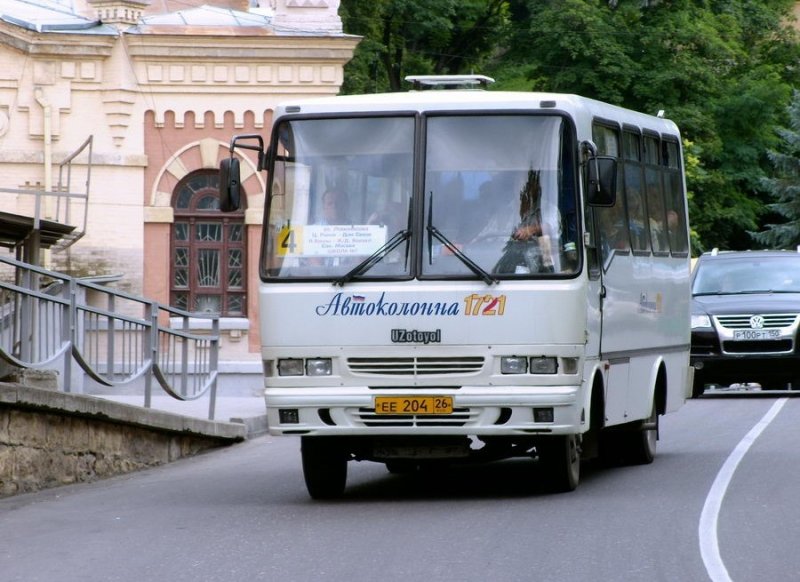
{"x":499,"y":189}
{"x":340,"y":192}
{"x":498,"y":198}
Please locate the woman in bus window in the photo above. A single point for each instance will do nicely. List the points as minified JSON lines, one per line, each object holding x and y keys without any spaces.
{"x":335,"y":207}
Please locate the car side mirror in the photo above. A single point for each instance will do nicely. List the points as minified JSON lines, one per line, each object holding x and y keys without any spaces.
{"x":229,"y":185}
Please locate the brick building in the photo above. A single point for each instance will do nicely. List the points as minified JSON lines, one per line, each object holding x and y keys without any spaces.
{"x":160,"y":86}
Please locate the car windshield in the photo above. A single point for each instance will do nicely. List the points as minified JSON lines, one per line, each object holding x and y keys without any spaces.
{"x":756,"y":274}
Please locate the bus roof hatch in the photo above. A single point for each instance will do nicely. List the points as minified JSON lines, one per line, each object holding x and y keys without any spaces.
{"x":422,"y":82}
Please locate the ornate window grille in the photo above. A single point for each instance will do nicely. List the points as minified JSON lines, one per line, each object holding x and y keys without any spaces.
{"x":208,"y":250}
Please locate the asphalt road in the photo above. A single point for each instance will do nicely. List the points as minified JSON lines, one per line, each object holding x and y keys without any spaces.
{"x":718,"y":503}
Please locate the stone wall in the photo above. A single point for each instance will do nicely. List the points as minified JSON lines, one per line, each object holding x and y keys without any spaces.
{"x":49,"y":438}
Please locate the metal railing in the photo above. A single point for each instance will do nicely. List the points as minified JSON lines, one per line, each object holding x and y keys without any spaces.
{"x":116,"y":338}
{"x":62,"y":205}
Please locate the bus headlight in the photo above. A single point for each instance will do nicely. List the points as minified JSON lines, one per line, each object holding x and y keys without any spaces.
{"x":290,"y":367}
{"x":318,"y":367}
{"x":544,"y":365}
{"x":513,"y":365}
{"x":309,"y":367}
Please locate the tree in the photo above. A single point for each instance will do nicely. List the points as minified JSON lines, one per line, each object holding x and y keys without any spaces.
{"x":417,"y":37}
{"x":723,"y":70}
{"x":784,"y":186}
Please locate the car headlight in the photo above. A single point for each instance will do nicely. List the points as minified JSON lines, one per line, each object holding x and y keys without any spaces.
{"x":700,"y":320}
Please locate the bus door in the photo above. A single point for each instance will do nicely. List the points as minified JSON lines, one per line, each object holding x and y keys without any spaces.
{"x":608,"y":258}
{"x":595,"y":289}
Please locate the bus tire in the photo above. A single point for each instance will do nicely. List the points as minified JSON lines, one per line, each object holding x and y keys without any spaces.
{"x":324,"y":467}
{"x":698,"y":385}
{"x":640,"y":445}
{"x":560,"y":458}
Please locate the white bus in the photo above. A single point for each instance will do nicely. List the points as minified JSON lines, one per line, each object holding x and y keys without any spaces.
{"x":464,"y":275}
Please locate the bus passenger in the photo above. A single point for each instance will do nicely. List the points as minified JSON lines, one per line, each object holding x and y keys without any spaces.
{"x":335,"y":207}
{"x":390,"y":214}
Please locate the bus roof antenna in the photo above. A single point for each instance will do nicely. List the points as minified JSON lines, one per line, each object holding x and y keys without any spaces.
{"x":422,"y":82}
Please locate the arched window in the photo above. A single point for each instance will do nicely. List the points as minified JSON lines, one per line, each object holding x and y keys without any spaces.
{"x":207,"y":272}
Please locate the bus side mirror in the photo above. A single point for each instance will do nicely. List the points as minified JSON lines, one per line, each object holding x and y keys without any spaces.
{"x":601,"y":181}
{"x":229,"y":185}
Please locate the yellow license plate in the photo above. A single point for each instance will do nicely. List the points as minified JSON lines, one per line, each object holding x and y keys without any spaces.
{"x":413,"y":405}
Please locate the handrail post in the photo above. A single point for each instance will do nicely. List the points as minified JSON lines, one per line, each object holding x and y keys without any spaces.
{"x":68,"y":330}
{"x":111,"y":336}
{"x":213,"y":364}
{"x":25,"y":318}
{"x":185,"y":360}
{"x":151,"y":348}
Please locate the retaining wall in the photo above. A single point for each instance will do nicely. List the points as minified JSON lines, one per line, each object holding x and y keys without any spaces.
{"x":50,"y":438}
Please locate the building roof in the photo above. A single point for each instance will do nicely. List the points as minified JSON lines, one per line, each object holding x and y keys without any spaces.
{"x":208,"y":16}
{"x":58,"y":16}
{"x":50,"y":16}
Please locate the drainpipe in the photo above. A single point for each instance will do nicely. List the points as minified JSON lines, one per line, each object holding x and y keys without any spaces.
{"x":48,"y":162}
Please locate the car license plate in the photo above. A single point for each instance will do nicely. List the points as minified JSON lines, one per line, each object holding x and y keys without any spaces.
{"x":413,"y":405}
{"x":755,"y":334}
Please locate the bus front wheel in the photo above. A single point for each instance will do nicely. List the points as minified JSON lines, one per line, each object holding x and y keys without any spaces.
{"x":560,"y":458}
{"x":324,"y":467}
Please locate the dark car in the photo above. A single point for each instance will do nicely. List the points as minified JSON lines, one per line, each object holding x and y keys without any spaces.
{"x":745,"y":313}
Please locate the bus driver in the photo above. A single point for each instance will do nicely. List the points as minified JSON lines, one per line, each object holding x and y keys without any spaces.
{"x":528,"y":249}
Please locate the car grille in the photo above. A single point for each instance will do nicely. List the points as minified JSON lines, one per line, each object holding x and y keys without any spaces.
{"x":762,"y":347}
{"x":771,"y":320}
{"x":782,"y":345}
{"x":415,"y":366}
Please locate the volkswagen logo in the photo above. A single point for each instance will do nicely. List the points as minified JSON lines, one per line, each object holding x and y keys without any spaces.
{"x":757,"y":322}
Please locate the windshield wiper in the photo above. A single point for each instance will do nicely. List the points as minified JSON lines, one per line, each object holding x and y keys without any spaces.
{"x":375,"y":258}
{"x":434,"y":232}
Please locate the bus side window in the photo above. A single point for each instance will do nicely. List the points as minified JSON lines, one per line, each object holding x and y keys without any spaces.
{"x":634,"y":192}
{"x":675,"y":198}
{"x":655,"y":196}
{"x":613,"y":231}
{"x":656,"y":214}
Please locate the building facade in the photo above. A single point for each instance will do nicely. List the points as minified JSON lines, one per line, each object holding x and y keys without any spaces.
{"x":160,"y":87}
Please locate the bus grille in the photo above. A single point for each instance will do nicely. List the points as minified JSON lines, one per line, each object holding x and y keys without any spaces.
{"x":460,"y":417}
{"x":414,"y":366}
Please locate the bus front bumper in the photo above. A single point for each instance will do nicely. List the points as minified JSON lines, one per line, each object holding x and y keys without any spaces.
{"x":494,"y":410}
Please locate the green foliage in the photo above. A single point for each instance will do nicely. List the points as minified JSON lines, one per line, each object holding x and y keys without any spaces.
{"x":723,"y":70}
{"x":416,"y":37}
{"x":784,"y":186}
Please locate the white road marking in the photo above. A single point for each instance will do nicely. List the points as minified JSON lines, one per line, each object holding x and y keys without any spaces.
{"x":709,"y":544}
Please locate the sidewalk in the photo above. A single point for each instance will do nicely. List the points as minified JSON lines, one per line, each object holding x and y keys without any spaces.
{"x":248,"y":410}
